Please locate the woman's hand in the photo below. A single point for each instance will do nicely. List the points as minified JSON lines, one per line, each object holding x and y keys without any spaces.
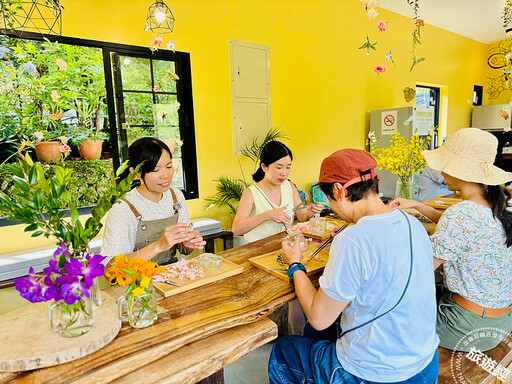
{"x":278,"y":215}
{"x":175,"y":234}
{"x":315,"y":209}
{"x":195,"y":242}
{"x":401,"y":203}
{"x":291,"y":252}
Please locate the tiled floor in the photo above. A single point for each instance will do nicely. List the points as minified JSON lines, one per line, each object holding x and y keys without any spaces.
{"x":250,"y":369}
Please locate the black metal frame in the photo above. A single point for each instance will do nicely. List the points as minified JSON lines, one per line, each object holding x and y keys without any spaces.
{"x":183,"y":88}
{"x":435,"y":94}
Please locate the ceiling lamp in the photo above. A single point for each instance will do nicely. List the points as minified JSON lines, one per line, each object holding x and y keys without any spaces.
{"x":39,"y":16}
{"x":160,"y":18}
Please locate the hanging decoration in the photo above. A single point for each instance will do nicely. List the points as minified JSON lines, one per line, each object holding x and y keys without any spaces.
{"x":500,"y":68}
{"x":368,"y":45}
{"x":160,"y":18}
{"x":506,"y":16}
{"x":36,"y":16}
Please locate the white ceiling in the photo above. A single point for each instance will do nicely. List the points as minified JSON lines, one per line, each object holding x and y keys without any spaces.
{"x":477,"y":19}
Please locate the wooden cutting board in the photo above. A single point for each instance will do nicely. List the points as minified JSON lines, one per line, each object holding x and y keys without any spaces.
{"x":28,"y":343}
{"x":442,"y":202}
{"x":323,"y":236}
{"x":227,"y":269}
{"x":269,"y":260}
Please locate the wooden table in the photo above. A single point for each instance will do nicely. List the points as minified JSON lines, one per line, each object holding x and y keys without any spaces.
{"x":197,"y":333}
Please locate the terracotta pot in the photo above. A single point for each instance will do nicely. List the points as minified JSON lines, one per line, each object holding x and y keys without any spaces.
{"x":90,"y":149}
{"x":48,"y":151}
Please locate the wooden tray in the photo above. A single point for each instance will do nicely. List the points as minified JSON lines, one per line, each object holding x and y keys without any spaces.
{"x":325,"y":235}
{"x":448,"y":202}
{"x":227,"y":269}
{"x":28,"y":343}
{"x":269,"y":260}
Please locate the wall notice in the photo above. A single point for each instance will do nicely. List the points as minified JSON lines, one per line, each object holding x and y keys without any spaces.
{"x":423,"y":120}
{"x":388,"y":122}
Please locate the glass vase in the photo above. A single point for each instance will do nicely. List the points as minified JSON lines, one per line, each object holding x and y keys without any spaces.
{"x":404,"y":188}
{"x":71,"y":320}
{"x":139,"y":311}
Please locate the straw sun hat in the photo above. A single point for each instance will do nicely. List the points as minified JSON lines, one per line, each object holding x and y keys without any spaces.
{"x":469,"y":155}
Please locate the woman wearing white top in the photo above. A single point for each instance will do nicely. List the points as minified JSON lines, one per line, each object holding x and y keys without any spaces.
{"x":266,"y":208}
{"x":152,"y":220}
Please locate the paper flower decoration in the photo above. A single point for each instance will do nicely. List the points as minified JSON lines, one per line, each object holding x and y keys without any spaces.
{"x":381,"y":24}
{"x":171,"y":45}
{"x":379,"y":69}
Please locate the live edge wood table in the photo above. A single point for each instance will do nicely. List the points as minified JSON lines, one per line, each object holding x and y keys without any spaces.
{"x":197,"y":333}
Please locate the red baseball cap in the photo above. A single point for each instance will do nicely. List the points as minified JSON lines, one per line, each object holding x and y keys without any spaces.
{"x":347,"y":166}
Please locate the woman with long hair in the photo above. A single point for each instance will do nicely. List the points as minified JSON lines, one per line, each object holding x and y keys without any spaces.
{"x":266,"y":208}
{"x":472,"y":241}
{"x":152,"y":221}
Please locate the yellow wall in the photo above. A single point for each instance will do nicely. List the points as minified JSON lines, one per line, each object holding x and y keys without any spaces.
{"x":322,"y":85}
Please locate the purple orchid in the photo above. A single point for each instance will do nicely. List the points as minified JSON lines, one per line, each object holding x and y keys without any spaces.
{"x":68,"y":281}
{"x":29,"y":287}
{"x":71,"y":288}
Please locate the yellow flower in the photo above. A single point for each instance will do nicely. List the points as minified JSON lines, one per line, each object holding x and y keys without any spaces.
{"x":138,"y":291}
{"x":145,"y":282}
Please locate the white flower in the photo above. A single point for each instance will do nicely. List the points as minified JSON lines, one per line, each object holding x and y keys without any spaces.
{"x":55,"y":96}
{"x":176,"y":105}
{"x":179,"y":142}
{"x":38,"y":135}
{"x":372,"y":13}
{"x":369,"y":3}
{"x":63,"y":139}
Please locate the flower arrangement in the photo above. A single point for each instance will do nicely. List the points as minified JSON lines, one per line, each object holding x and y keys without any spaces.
{"x":402,"y":157}
{"x":134,"y":273}
{"x":66,"y":278}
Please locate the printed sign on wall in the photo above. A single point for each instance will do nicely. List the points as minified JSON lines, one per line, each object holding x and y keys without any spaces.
{"x":388,"y":122}
{"x":423,"y":120}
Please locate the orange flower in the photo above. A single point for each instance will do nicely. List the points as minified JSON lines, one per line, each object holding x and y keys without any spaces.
{"x":125,"y":271}
{"x":56,"y":116}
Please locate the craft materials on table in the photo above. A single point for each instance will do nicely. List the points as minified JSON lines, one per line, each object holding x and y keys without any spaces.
{"x":204,"y":269}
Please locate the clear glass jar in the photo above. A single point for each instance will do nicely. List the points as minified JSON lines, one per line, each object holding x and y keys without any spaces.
{"x":139,"y":311}
{"x":71,"y":320}
{"x":294,"y":236}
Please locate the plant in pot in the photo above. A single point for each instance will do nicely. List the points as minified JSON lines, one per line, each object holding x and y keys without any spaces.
{"x":39,"y":207}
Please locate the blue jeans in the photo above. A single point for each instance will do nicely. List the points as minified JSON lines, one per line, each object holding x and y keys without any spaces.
{"x":296,"y":359}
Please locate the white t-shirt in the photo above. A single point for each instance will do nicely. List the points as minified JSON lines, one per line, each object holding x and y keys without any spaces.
{"x":121,"y":224}
{"x":368,"y":266}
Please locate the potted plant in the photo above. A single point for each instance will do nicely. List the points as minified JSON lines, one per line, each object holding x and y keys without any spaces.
{"x":39,"y":207}
{"x":229,"y":190}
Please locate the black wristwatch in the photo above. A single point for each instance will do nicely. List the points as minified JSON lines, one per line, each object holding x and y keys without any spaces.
{"x":294,"y":267}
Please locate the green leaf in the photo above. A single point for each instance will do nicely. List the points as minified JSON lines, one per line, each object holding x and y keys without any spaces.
{"x":415,"y":62}
{"x":37,"y":233}
{"x":74,"y":215}
{"x":31,"y":227}
{"x":32,"y":175}
{"x":21,"y":184}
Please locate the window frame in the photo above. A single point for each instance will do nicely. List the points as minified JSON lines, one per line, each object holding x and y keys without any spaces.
{"x":183,"y":89}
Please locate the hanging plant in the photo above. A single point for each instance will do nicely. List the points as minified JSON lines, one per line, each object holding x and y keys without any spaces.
{"x":506,"y":15}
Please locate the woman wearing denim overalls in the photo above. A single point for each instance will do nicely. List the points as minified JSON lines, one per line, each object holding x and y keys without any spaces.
{"x":151,"y":222}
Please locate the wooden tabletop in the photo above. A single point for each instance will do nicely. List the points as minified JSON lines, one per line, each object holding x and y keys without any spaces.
{"x":234,"y":307}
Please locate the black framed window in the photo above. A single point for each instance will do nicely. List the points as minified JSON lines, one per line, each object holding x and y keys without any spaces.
{"x":144,"y":98}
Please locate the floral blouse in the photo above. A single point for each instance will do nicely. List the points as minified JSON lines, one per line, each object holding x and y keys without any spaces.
{"x":478,"y":262}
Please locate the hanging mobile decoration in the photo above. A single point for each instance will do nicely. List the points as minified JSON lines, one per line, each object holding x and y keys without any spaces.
{"x":368,"y":45}
{"x":500,"y":68}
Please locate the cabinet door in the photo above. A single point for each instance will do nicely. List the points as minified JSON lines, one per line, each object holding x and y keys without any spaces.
{"x":250,"y":92}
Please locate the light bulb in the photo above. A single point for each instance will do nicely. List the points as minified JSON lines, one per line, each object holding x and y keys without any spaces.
{"x":126,"y":61}
{"x":160,"y":16}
